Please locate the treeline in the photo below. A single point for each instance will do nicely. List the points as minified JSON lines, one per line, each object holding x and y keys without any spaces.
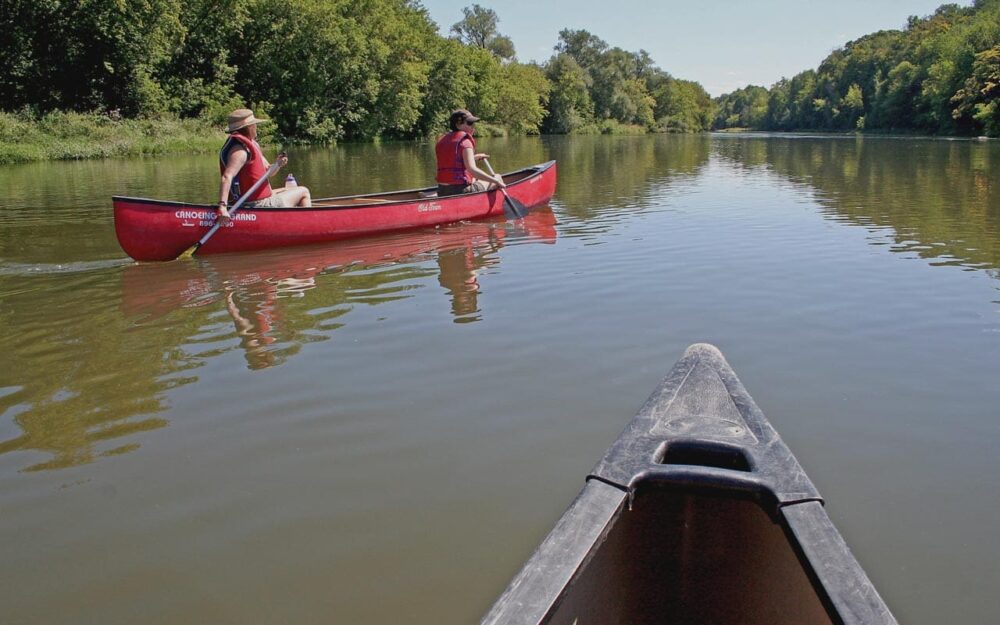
{"x":939,"y":75}
{"x":324,"y":70}
{"x":594,"y":86}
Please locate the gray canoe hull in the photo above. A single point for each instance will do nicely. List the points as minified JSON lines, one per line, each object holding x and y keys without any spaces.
{"x":698,"y":513}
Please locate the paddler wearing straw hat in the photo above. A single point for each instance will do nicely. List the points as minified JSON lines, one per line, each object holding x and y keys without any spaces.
{"x":242,"y":163}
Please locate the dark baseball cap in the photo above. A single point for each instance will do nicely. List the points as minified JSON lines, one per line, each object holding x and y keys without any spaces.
{"x":461,"y":115}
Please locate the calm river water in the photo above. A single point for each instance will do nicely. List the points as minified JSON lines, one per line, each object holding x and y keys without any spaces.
{"x":381,"y":431}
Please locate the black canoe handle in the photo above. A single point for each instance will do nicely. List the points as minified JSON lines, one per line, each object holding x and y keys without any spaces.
{"x":713,"y":479}
{"x":701,"y":478}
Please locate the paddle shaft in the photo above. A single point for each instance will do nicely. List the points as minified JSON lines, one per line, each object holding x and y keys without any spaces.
{"x":510,"y":201}
{"x":273,"y":169}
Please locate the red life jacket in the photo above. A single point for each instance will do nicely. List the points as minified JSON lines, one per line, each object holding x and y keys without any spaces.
{"x":252,"y":171}
{"x":450,"y":166}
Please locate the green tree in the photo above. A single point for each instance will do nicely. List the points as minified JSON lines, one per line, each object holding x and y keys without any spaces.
{"x":570,"y":106}
{"x":585,"y":48}
{"x":478,"y":28}
{"x":852,"y":106}
{"x":892,"y":79}
{"x":896,"y":102}
{"x":980,"y":97}
{"x":743,"y":108}
{"x":682,"y":105}
{"x":779,"y":111}
{"x":451,"y":84}
{"x":523,"y":95}
{"x":592,"y":82}
{"x":803,"y":91}
{"x":199,"y":79}
{"x":331,"y":69}
{"x":97,"y":54}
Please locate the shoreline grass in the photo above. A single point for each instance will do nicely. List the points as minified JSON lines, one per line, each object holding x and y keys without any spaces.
{"x":25,"y":138}
{"x":61,"y":135}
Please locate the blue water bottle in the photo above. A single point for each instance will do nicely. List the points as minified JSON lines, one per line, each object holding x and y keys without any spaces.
{"x":290,"y":181}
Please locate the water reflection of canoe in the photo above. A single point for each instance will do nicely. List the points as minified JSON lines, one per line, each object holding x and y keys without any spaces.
{"x":155,"y":290}
{"x":161,"y":230}
{"x":698,"y":513}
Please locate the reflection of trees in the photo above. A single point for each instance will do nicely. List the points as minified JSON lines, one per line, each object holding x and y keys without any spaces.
{"x":49,"y":214}
{"x":937,"y":196}
{"x":622,"y":171}
{"x":82,"y":381}
{"x":77,"y":385}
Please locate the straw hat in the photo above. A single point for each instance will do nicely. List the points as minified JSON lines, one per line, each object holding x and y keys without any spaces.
{"x":241,"y":118}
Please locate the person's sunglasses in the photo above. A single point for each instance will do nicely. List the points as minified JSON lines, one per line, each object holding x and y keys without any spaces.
{"x":470,"y":123}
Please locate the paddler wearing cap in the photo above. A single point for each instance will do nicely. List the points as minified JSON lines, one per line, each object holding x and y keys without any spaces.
{"x":242,"y":163}
{"x":457,"y":171}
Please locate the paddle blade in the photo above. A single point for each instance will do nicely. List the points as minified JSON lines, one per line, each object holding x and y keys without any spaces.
{"x":513,"y":207}
{"x":188,"y":254}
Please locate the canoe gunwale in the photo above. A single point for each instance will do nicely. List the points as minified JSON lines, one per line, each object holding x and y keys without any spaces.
{"x":842,"y":585}
{"x":536,"y":171}
{"x":701,"y":407}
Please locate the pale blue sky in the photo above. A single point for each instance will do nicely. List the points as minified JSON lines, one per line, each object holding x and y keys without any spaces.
{"x":723,"y":44}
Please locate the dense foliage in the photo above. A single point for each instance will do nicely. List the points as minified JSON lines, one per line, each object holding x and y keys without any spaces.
{"x":594,"y":85}
{"x":361,"y":69}
{"x":939,"y":75}
{"x":324,"y":70}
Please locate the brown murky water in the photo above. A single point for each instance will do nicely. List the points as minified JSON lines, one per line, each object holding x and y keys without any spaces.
{"x":380,"y":431}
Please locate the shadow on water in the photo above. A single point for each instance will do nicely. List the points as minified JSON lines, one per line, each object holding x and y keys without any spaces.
{"x":75,"y":388}
{"x":937,"y":200}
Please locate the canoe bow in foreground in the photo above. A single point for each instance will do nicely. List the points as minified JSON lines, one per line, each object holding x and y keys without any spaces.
{"x":161,"y":230}
{"x":698,"y":513}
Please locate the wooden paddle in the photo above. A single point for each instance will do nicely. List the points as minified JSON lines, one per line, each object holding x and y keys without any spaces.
{"x":273,"y":169}
{"x":516,"y":207}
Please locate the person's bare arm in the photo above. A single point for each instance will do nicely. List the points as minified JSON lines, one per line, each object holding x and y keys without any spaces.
{"x":469,"y":160}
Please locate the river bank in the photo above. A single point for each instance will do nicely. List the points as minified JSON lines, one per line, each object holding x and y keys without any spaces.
{"x":66,"y":136}
{"x":72,"y":136}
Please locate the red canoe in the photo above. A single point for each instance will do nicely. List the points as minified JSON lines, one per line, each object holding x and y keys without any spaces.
{"x":161,"y":230}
